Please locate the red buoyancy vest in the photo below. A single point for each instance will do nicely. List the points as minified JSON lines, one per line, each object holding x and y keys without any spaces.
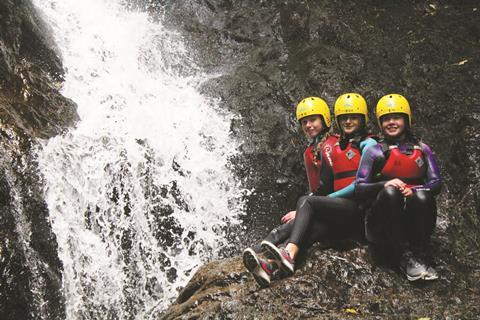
{"x":345,"y":165}
{"x":312,"y":166}
{"x":409,"y":168}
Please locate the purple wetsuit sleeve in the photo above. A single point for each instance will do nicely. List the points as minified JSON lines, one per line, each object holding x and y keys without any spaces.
{"x":433,"y":181}
{"x":365,"y":187}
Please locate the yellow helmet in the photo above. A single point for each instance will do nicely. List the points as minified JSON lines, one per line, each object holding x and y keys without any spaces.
{"x":393,"y":103}
{"x":314,"y":106}
{"x":351,"y":103}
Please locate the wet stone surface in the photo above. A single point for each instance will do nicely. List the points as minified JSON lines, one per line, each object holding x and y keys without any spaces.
{"x":270,"y":55}
{"x":30,"y":107}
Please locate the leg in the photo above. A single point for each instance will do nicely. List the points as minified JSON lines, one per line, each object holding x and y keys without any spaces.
{"x":331,"y":211}
{"x":277,"y":236}
{"x":384,"y":226}
{"x":384,"y":222}
{"x":421,"y":216}
{"x":326,"y":213}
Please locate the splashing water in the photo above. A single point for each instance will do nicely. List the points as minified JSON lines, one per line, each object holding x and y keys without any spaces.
{"x":139,"y":193}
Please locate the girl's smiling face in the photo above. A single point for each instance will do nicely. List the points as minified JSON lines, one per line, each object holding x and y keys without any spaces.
{"x":312,"y":125}
{"x":393,"y":125}
{"x":350,"y":123}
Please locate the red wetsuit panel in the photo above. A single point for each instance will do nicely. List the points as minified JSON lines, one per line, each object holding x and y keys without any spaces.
{"x":313,"y":166}
{"x":345,"y":165}
{"x":410,"y":168}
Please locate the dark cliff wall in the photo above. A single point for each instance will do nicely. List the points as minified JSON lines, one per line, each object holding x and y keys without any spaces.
{"x":271,"y":54}
{"x":30,"y":107}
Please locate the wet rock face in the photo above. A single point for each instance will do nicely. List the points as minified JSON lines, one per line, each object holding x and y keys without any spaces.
{"x":30,"y":74}
{"x":339,"y":283}
{"x":30,"y":107}
{"x":270,"y":55}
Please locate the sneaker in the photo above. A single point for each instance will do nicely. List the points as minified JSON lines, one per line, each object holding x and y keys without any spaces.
{"x":422,"y":253}
{"x":431,"y":274}
{"x":261,"y":270}
{"x":286,"y":263}
{"x":413,"y":268}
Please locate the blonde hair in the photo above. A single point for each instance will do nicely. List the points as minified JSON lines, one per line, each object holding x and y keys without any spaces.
{"x":318,"y":148}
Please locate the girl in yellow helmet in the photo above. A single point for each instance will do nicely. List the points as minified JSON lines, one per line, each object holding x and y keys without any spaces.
{"x":313,"y":115}
{"x":318,"y":217}
{"x":400,"y":176}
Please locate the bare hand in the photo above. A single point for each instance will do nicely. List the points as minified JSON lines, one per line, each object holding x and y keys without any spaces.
{"x":289,"y":217}
{"x":407,"y":192}
{"x":397,"y":183}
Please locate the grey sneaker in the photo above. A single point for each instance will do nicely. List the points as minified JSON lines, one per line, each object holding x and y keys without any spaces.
{"x":413,"y":268}
{"x":431,"y":274}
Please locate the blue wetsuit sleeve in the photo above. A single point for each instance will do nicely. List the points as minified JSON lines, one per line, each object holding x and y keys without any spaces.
{"x":346,"y":192}
{"x":349,"y":190}
{"x":367,"y":143}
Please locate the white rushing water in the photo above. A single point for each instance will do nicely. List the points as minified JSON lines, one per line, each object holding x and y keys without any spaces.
{"x":139,"y":193}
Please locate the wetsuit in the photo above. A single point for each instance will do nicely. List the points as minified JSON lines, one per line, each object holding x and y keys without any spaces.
{"x":336,"y":216}
{"x":313,"y":166}
{"x":394,"y":218}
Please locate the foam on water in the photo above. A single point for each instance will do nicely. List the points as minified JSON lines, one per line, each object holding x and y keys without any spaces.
{"x":139,"y":193}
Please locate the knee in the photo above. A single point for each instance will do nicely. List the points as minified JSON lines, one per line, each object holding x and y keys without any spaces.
{"x":304,"y":200}
{"x":423,"y":197}
{"x":390,"y":193}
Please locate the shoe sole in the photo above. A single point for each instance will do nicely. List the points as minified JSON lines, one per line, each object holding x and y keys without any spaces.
{"x":415,"y":278}
{"x":252,"y":264}
{"x":273,"y":252}
{"x":430,"y":275}
{"x":426,"y":275}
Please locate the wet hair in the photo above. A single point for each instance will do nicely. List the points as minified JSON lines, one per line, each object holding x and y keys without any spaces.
{"x":410,"y":136}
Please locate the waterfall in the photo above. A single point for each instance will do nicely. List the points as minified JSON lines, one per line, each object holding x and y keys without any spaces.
{"x":140,"y":193}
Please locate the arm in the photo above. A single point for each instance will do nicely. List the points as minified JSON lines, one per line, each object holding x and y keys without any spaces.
{"x":365,"y":187}
{"x":433,"y":181}
{"x":349,"y":190}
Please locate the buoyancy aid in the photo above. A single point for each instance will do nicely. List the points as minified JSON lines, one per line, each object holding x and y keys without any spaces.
{"x":408,"y":166}
{"x":313,"y":164}
{"x":345,"y":163}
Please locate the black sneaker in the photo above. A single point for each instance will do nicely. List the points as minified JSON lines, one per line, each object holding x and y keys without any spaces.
{"x":286,"y":263}
{"x":260,"y":269}
{"x":414,"y":269}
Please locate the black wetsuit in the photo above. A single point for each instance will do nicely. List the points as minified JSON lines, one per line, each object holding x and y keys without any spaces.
{"x":320,"y":217}
{"x":394,"y":218}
